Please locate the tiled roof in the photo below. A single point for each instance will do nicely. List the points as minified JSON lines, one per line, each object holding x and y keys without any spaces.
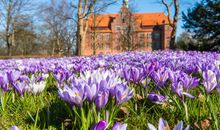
{"x":144,"y":19}
{"x":102,"y":20}
{"x":147,"y":19}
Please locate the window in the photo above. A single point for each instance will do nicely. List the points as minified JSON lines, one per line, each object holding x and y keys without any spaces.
{"x":142,"y":45}
{"x":149,"y":44}
{"x":118,"y":28}
{"x":141,"y":35}
{"x":157,"y":45}
{"x":100,"y":36}
{"x":125,"y":28}
{"x":108,"y":36}
{"x":167,"y":27}
{"x":107,"y":46}
{"x":156,"y":35}
{"x":149,"y":36}
{"x":100,"y":46}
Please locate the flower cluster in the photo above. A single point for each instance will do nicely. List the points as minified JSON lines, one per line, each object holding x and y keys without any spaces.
{"x":14,"y":79}
{"x":95,"y":86}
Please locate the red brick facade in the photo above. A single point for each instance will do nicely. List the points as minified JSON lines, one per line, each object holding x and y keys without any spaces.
{"x":150,"y":31}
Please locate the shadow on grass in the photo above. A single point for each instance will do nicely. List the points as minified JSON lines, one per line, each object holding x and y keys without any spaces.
{"x":54,"y":116}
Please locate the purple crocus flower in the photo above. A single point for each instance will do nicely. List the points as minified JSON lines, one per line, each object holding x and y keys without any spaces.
{"x":4,"y":82}
{"x":136,"y":75}
{"x":179,"y":126}
{"x":60,"y":77}
{"x":73,"y":94}
{"x":132,"y":74}
{"x":161,"y":126}
{"x":178,"y":89}
{"x":174,"y":76}
{"x":3,"y":79}
{"x":103,"y":85}
{"x":101,"y":99}
{"x":99,"y":126}
{"x":160,"y":77}
{"x":14,"y":128}
{"x":13,"y":76}
{"x":20,"y":87}
{"x":23,"y":78}
{"x":119,"y":126}
{"x":164,"y":126}
{"x":91,"y":92}
{"x":209,"y":80}
{"x":190,"y":82}
{"x":148,"y":69}
{"x":156,"y":98}
{"x":122,"y":93}
{"x":32,"y":68}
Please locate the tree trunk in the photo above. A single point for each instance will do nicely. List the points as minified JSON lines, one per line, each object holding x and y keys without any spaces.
{"x":173,"y":23}
{"x":7,"y":33}
{"x":173,"y":38}
{"x":94,"y":35}
{"x":59,"y":47}
{"x":82,"y":25}
{"x":53,"y":48}
{"x":79,"y":27}
{"x":8,"y":44}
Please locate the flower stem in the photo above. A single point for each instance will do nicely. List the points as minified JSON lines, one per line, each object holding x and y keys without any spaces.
{"x":186,"y":111}
{"x":210,"y":105}
{"x":83,"y":118}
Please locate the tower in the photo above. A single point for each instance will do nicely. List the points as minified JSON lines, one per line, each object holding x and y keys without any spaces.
{"x":125,"y":3}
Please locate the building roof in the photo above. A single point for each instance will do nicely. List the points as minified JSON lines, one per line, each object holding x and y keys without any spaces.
{"x":102,"y":20}
{"x":144,"y":19}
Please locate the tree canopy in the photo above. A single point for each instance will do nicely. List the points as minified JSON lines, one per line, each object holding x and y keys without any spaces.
{"x":203,"y":21}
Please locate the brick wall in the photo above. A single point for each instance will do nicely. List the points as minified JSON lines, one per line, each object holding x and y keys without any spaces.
{"x":145,"y":37}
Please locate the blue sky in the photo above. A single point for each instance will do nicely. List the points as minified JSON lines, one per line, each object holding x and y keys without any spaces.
{"x":154,"y":6}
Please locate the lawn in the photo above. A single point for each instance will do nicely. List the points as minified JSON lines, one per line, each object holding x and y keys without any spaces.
{"x":131,"y":90}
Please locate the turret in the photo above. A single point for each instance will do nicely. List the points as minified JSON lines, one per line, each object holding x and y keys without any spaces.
{"x":125,"y":3}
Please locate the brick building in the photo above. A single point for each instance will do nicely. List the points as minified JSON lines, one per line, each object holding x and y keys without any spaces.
{"x":114,"y":33}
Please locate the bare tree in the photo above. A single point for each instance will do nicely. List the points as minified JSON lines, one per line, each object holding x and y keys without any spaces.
{"x":84,"y":9}
{"x":174,"y":20}
{"x":127,"y":34}
{"x":69,"y":37}
{"x":94,"y":33}
{"x":11,"y":11}
{"x":24,"y":36}
{"x":96,"y":18}
{"x":56,"y":20}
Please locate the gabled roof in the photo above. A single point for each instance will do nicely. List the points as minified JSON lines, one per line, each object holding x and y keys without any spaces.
{"x":147,"y":19}
{"x":102,"y":20}
{"x":144,"y":19}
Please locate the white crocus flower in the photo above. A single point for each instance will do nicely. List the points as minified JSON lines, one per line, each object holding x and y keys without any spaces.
{"x":69,"y":66}
{"x":38,"y":87}
{"x":101,"y":63}
{"x":217,"y":64}
{"x":45,"y":76}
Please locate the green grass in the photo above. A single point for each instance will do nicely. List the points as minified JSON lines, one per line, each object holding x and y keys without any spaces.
{"x":47,"y":111}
